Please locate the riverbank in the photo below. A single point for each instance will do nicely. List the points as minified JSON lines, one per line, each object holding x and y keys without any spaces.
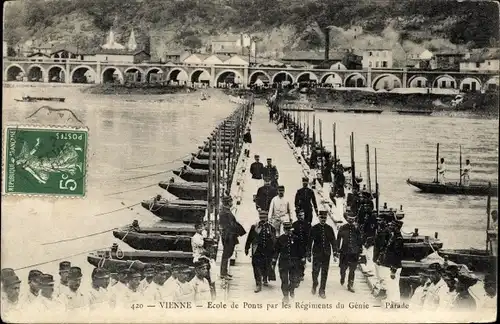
{"x":142,"y":89}
{"x":474,"y":104}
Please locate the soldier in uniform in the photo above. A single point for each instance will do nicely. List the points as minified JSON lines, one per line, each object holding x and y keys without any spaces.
{"x":230,"y":230}
{"x":170,"y":285}
{"x":184,"y":290}
{"x":261,"y":239}
{"x":349,"y":245}
{"x":305,"y":200}
{"x":73,"y":298}
{"x":438,"y":290}
{"x":62,"y":287}
{"x":265,"y":195}
{"x":99,"y":298}
{"x":200,"y":284}
{"x":34,"y":286}
{"x":302,"y":229}
{"x":157,"y":289}
{"x":149,"y":274}
{"x":132,"y":295}
{"x":418,"y":297}
{"x":463,"y":299}
{"x":321,"y":243}
{"x":6,"y":272}
{"x":257,"y":171}
{"x":46,"y":300}
{"x":390,"y":261}
{"x":11,"y":286}
{"x":287,"y":251}
{"x":271,"y":172}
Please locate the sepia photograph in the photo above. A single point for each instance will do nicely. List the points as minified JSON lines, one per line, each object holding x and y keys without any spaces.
{"x":250,"y":161}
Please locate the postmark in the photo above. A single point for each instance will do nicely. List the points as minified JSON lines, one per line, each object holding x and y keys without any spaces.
{"x":41,"y":160}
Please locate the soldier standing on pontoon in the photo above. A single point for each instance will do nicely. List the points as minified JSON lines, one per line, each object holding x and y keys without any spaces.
{"x":349,"y":245}
{"x":286,"y":252}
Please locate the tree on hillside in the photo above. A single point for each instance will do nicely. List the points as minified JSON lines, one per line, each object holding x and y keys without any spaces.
{"x":192,"y":42}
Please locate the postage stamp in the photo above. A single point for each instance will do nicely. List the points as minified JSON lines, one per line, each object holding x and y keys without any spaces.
{"x":45,"y":161}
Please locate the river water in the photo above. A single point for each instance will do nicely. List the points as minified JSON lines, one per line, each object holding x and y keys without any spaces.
{"x":133,"y":139}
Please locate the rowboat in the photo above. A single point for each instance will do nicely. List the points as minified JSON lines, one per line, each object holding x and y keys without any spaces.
{"x":475,"y":259}
{"x":198,"y":164}
{"x":455,"y":188}
{"x":185,"y":211}
{"x":157,"y":242}
{"x":33,"y":99}
{"x":202,"y":155}
{"x":147,"y":256}
{"x":192,"y":175}
{"x":414,"y":112}
{"x":186,"y":190}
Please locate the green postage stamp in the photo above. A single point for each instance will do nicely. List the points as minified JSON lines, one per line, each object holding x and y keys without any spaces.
{"x":45,"y":161}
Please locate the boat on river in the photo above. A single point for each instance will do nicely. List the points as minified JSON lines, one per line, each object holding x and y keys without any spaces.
{"x":157,"y":242}
{"x":191,"y":175}
{"x":146,"y":256}
{"x":202,"y":155}
{"x":186,"y":190}
{"x":474,"y":189}
{"x":200,"y":164}
{"x":414,"y":112}
{"x":185,"y":211}
{"x":35,"y":99}
{"x":475,"y":259}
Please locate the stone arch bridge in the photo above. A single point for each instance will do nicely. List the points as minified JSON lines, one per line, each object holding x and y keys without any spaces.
{"x":76,"y":71}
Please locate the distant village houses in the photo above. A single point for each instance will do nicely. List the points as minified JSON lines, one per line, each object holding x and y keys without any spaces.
{"x":343,"y":59}
{"x":377,"y":58}
{"x":233,"y":45}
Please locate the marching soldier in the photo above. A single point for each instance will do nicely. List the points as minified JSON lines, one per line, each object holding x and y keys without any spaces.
{"x":257,"y":171}
{"x":261,"y":239}
{"x":46,"y":300}
{"x":230,"y":230}
{"x":271,"y":172}
{"x":149,"y":274}
{"x":265,"y":195}
{"x":390,"y":261}
{"x":62,"y":287}
{"x":99,"y":298}
{"x":287,"y":250}
{"x":73,"y":298}
{"x":279,"y":210}
{"x":321,"y":243}
{"x":350,"y":246}
{"x":302,"y":229}
{"x":184,"y":290}
{"x":34,"y":286}
{"x":305,"y":200}
{"x":200,"y":284}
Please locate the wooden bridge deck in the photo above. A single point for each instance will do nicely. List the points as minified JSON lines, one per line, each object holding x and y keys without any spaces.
{"x":269,"y":143}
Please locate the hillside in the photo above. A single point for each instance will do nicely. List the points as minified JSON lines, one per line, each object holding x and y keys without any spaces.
{"x":278,"y":25}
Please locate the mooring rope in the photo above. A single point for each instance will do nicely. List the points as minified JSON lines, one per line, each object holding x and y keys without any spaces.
{"x":79,"y":237}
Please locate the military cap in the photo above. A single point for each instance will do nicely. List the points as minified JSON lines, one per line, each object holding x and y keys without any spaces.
{"x":7,"y":272}
{"x":134,"y":274}
{"x":227,"y":199}
{"x":305,"y":179}
{"x":281,"y":187}
{"x":269,"y":159}
{"x":100,"y":273}
{"x":322,"y":213}
{"x":11,"y":280}
{"x":34,"y":274}
{"x":160,"y":268}
{"x":263,"y":213}
{"x":200,"y":264}
{"x":299,"y":211}
{"x":75,"y":273}
{"x":64,"y":266}
{"x":434,"y":267}
{"x":256,"y":156}
{"x":149,"y":268}
{"x":287,"y":224}
{"x":467,"y":278}
{"x":349,"y":215}
{"x":46,"y":280}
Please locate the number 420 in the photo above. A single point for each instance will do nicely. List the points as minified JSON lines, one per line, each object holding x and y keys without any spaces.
{"x":66,"y":183}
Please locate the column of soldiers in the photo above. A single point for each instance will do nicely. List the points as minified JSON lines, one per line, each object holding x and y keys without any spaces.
{"x":120,"y":288}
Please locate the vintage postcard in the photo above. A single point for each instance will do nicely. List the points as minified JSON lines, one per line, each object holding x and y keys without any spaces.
{"x":227,"y":161}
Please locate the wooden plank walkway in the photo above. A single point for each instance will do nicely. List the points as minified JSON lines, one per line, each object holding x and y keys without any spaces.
{"x":268,"y":142}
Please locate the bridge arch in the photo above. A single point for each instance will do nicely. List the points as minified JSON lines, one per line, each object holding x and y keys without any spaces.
{"x":56,"y":73}
{"x":355,"y":80}
{"x":139,"y":74}
{"x":177,"y":74}
{"x":235,"y":75}
{"x":252,"y":78}
{"x":390,"y":81}
{"x":307,"y":77}
{"x":151,"y":71}
{"x":283,"y":76}
{"x":200,"y":75}
{"x":331,"y":78}
{"x":36,"y":73}
{"x":83,"y":74}
{"x":108,"y":75}
{"x":418,"y":81}
{"x":470,"y":84}
{"x":444,"y":81}
{"x":492,"y":84}
{"x":13,"y":71}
